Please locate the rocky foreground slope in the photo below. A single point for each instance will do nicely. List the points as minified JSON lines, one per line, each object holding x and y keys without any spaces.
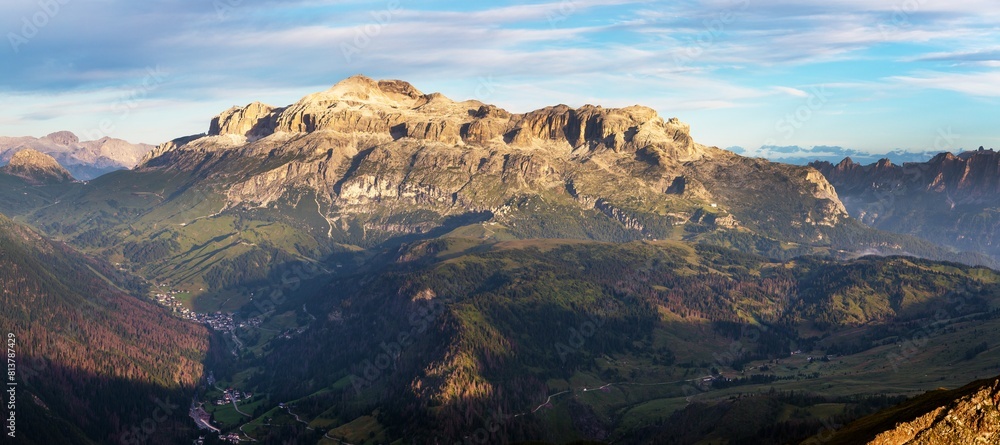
{"x":968,"y":415}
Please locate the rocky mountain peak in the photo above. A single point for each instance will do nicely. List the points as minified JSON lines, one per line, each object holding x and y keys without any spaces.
{"x":37,"y":167}
{"x":83,"y":159}
{"x":953,"y":196}
{"x":364,"y":144}
{"x":884,"y":164}
{"x":365,"y":89}
{"x":396,"y":109}
{"x":63,"y":138}
{"x":847,"y":164}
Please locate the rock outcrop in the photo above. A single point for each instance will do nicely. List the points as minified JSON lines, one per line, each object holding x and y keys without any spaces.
{"x":36,"y":168}
{"x":967,"y":415}
{"x":254,"y":120}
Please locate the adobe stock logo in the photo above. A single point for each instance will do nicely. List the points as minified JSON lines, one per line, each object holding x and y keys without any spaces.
{"x":32,"y":24}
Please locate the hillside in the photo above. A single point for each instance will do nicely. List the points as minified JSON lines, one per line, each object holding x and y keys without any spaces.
{"x":92,"y":359}
{"x":36,"y":168}
{"x":456,"y":337}
{"x":950,"y":200}
{"x":380,"y":264}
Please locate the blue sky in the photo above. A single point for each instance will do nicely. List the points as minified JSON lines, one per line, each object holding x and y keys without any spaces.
{"x":867,"y":75}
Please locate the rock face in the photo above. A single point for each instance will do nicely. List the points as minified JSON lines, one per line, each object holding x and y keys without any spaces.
{"x":967,"y":415}
{"x":85,"y":160}
{"x":382,"y":157}
{"x":36,"y":168}
{"x":252,"y":120}
{"x":951,"y":200}
{"x":396,"y":109}
{"x":972,"y":419}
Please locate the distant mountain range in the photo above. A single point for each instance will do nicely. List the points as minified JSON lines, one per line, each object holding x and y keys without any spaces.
{"x":84,"y":160}
{"x":372,"y":163}
{"x":950,"y":200}
{"x":797,"y":155}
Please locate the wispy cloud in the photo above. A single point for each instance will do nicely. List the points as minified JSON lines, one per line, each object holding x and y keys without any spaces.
{"x":710,"y":59}
{"x":983,"y":84}
{"x":791,"y":91}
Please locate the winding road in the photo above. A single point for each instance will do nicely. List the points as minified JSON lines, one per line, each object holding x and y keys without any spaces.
{"x":238,"y":408}
{"x":548,"y":400}
{"x":297,"y":418}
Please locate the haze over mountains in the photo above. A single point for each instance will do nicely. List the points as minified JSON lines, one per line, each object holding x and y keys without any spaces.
{"x":950,"y":200}
{"x":84,"y":160}
{"x":804,"y":155}
{"x":381,"y":265}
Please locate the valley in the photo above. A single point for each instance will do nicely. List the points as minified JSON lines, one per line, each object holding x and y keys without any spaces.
{"x":379,"y":265}
{"x":631,"y":382}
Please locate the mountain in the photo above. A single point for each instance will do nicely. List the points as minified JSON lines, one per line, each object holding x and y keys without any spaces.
{"x":364,"y":143}
{"x":970,"y":414}
{"x":84,"y":160}
{"x":368,"y":165}
{"x":91,"y":360}
{"x":951,"y":200}
{"x":36,"y":168}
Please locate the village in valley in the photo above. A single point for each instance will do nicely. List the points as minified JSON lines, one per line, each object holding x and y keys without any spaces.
{"x":227,"y":411}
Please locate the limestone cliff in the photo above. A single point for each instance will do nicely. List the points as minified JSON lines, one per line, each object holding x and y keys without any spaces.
{"x":396,"y":109}
{"x":383,"y":152}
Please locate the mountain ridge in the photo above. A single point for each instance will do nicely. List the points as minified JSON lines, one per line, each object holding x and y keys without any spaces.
{"x":342,"y":139}
{"x":372,"y":164}
{"x":397,"y":109}
{"x":968,"y":414}
{"x":85,"y":160}
{"x":951,"y":199}
{"x":490,"y":240}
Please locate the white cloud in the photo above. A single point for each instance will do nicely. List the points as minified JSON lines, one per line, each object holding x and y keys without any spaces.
{"x":791,"y":91}
{"x":982,"y":84}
